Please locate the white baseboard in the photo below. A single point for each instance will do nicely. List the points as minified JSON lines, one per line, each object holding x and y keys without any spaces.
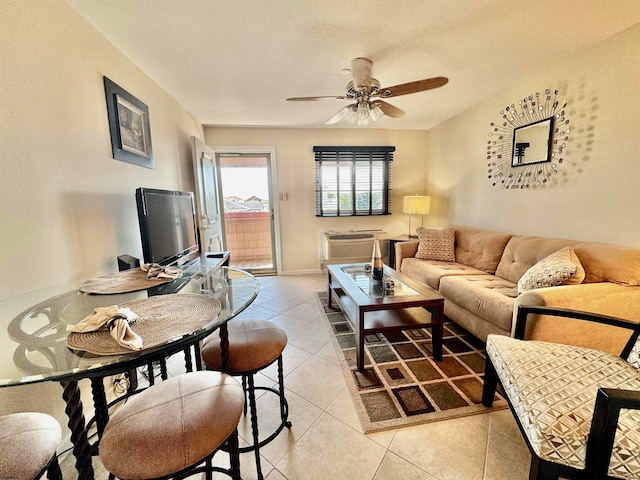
{"x":302,"y":272}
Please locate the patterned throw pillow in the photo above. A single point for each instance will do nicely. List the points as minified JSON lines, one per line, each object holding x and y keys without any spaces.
{"x":436,"y":244}
{"x":560,"y":268}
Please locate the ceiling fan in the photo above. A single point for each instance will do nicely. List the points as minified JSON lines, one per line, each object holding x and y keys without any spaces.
{"x":367,"y":94}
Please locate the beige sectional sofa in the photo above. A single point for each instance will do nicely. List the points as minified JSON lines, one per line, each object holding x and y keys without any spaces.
{"x":481,"y":286}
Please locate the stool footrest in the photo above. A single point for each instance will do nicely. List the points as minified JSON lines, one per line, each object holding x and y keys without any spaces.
{"x":284,"y":423}
{"x":203,"y":469}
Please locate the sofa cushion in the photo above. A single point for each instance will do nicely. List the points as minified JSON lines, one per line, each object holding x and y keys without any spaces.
{"x":481,"y":249}
{"x":609,"y":263}
{"x":477,"y":326}
{"x":560,"y":268}
{"x":553,"y":388}
{"x":436,"y":244}
{"x":430,"y":272}
{"x":522,"y":252}
{"x":487,"y":296}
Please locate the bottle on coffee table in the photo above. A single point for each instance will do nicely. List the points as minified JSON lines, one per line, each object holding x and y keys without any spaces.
{"x":376,"y":262}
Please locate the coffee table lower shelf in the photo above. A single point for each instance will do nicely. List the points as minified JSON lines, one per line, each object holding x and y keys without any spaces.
{"x":368,"y":320}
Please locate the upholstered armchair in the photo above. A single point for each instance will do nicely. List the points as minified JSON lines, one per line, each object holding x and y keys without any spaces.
{"x":578,"y":408}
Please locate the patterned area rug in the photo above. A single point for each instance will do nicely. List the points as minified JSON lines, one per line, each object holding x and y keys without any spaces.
{"x":402,"y":385}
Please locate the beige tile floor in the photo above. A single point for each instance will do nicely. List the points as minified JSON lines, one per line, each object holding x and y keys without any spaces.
{"x":326,"y":440}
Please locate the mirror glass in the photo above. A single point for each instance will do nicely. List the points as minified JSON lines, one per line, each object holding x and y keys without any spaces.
{"x":532,"y":143}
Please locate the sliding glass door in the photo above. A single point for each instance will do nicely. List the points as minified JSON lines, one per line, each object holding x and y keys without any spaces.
{"x":249,"y":214}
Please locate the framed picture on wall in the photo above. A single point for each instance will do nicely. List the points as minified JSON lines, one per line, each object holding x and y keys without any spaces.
{"x":129,"y":126}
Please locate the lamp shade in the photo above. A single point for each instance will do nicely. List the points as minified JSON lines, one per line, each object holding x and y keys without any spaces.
{"x":416,"y":205}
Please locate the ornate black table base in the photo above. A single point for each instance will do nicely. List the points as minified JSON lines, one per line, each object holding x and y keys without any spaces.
{"x":82,"y":449}
{"x":77,"y":425}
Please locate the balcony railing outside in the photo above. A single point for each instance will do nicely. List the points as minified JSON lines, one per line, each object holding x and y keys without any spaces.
{"x":248,"y":236}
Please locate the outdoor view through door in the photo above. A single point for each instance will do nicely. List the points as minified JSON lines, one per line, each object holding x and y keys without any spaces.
{"x":248,"y":217}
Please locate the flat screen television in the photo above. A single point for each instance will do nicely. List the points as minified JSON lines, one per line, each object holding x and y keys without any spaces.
{"x":167,"y":226}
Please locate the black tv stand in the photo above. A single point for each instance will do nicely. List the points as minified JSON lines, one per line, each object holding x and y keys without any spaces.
{"x":194,"y":269}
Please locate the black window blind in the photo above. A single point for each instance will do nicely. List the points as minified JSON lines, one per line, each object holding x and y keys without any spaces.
{"x":352,"y":181}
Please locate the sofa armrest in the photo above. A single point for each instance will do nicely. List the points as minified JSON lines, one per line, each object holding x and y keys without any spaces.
{"x":622,"y":302}
{"x":405,"y":250}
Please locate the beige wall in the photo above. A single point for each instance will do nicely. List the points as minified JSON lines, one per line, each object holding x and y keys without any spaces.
{"x":299,"y":226}
{"x":67,"y":208}
{"x":594,"y":195}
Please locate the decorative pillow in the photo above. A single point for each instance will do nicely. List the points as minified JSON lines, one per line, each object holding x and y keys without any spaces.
{"x":436,"y":244}
{"x":560,"y":268}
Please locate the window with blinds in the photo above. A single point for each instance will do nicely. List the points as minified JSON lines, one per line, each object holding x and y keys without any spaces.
{"x":353,"y":181}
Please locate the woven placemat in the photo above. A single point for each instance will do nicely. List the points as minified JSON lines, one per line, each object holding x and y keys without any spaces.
{"x":121,"y":282}
{"x":162,"y":318}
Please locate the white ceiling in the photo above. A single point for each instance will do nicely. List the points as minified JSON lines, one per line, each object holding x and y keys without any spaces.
{"x":234,"y":62}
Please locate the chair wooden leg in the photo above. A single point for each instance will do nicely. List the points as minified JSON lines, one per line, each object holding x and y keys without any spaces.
{"x":490,"y":384}
{"x":541,"y":470}
{"x":534,"y":468}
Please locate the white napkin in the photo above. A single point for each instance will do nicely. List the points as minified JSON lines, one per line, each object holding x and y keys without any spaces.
{"x":114,"y":319}
{"x":156,"y":271}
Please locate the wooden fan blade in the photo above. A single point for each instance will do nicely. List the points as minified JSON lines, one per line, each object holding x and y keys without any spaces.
{"x":338,"y":116}
{"x":412,"y":87}
{"x":389,"y":110}
{"x":313,"y":99}
{"x":361,"y":71}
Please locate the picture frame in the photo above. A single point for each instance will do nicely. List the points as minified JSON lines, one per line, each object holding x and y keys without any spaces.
{"x":129,"y":126}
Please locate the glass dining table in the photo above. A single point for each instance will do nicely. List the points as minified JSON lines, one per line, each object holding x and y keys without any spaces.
{"x":35,"y":349}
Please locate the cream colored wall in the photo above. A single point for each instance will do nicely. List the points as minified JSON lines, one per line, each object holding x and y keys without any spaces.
{"x":295,"y":166}
{"x":67,"y":208}
{"x":594,"y":195}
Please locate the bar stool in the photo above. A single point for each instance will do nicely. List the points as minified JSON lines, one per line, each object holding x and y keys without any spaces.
{"x":253,"y":346}
{"x":171,"y":428}
{"x":28,"y":442}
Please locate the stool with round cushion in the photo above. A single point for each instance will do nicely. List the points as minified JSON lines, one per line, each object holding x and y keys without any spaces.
{"x":253,"y":346}
{"x":171,"y":428}
{"x":28,"y":443}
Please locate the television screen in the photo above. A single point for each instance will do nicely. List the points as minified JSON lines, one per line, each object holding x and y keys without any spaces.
{"x":167,"y":226}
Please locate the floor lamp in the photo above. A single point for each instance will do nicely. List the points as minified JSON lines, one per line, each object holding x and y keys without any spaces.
{"x":416,"y":205}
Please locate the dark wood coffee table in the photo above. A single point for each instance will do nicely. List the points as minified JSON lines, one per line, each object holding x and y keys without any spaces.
{"x":371,"y":310}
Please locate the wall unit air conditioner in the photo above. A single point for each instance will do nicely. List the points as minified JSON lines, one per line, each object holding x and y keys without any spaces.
{"x":351,"y":246}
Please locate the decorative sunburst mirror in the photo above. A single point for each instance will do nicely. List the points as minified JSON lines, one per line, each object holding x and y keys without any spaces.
{"x":525,"y":150}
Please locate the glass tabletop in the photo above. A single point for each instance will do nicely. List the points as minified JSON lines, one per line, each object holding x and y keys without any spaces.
{"x":388,"y":286}
{"x":33,"y":344}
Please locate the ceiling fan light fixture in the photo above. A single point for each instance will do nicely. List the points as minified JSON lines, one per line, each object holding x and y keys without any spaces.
{"x":375,"y":111}
{"x":350,"y":114}
{"x":362,"y":113}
